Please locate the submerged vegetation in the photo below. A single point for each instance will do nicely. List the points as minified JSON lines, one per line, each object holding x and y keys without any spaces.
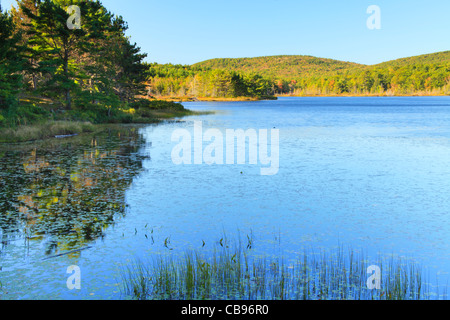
{"x":235,"y":272}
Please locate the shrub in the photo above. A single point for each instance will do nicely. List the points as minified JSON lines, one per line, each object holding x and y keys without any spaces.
{"x":143,"y":104}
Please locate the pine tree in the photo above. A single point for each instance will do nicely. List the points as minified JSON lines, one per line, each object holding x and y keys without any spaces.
{"x":132,"y":72}
{"x":10,"y":63}
{"x":22,"y":23}
{"x":57,"y":48}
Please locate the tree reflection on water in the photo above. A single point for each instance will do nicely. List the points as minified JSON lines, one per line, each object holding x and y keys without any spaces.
{"x":66,"y":193}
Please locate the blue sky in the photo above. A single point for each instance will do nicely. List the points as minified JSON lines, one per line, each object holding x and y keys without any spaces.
{"x":189,"y":31}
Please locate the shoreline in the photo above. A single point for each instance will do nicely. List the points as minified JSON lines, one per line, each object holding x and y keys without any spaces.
{"x":375,"y":95}
{"x":216,"y":99}
{"x":244,"y":99}
{"x":62,"y":129}
{"x":57,"y":129}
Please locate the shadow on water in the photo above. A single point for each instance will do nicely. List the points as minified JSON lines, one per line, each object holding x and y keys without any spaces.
{"x":64,"y":193}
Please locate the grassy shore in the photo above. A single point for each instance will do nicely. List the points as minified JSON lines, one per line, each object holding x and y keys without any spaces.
{"x":49,"y":129}
{"x":67,"y":123}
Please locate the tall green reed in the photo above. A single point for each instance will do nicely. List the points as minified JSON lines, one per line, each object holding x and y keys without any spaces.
{"x":233,"y":272}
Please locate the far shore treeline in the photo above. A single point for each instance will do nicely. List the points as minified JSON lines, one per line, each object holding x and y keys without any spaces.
{"x":95,"y":74}
{"x":303,"y":76}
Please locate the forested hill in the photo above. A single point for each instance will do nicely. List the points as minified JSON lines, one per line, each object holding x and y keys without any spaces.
{"x":427,"y":74}
{"x":285,"y":66}
{"x":439,"y":58}
{"x":294,"y":66}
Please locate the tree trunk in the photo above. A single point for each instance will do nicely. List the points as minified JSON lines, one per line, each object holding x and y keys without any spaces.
{"x":66,"y":73}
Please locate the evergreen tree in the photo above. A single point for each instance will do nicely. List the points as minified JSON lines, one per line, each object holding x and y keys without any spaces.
{"x":11,"y":64}
{"x":22,"y":22}
{"x":57,"y":48}
{"x":131,"y":77}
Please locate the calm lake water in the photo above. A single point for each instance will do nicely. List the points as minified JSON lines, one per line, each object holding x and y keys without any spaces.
{"x":372,"y":174}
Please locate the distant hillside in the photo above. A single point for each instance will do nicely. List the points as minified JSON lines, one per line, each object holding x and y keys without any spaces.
{"x":290,"y":67}
{"x":284,"y":67}
{"x":439,"y":58}
{"x":427,"y":74}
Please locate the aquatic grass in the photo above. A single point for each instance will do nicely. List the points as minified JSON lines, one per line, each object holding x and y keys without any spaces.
{"x":234,"y":273}
{"x":135,"y":281}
